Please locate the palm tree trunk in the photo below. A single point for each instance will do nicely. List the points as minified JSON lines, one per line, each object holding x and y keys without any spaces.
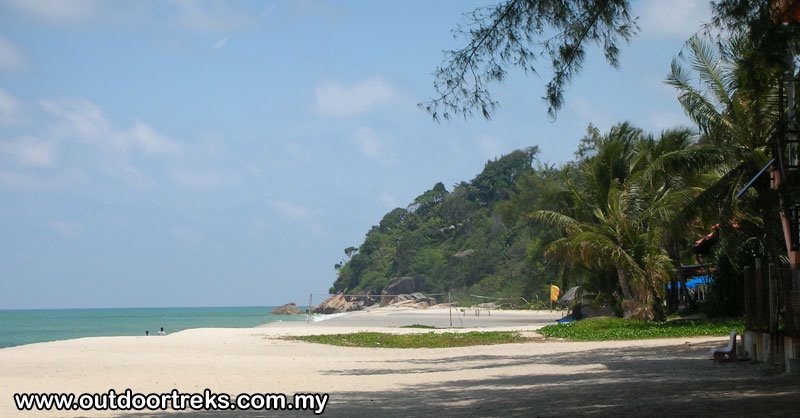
{"x":658,"y":308}
{"x":623,"y":283}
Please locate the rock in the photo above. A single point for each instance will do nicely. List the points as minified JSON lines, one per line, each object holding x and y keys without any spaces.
{"x":288,"y":309}
{"x":423,"y":299}
{"x":414,"y":300}
{"x":465,"y":253}
{"x":403,"y":285}
{"x":364,"y":298}
{"x":400,"y":286}
{"x":338,"y":304}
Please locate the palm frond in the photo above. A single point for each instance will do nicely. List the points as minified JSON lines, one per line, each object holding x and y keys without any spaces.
{"x":555,"y":219}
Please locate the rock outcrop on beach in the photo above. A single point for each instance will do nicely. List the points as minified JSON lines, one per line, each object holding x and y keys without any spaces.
{"x":366,"y":299}
{"x":414,"y":300}
{"x":403,"y":286}
{"x":400,"y":286}
{"x":404,"y":291}
{"x":288,"y":309}
{"x":338,"y":304}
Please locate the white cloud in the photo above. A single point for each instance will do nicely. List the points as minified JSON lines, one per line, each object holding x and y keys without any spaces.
{"x":294,"y":211}
{"x":30,"y":152}
{"x":211,"y":15}
{"x":677,"y":19}
{"x":57,"y":10}
{"x":11,"y":58}
{"x":368,"y":142}
{"x":66,"y":229}
{"x":192,"y":15}
{"x":143,"y":137}
{"x":9,"y":107}
{"x":83,"y":117}
{"x":86,"y":121}
{"x":220,"y":43}
{"x":337,"y":100}
{"x":489,"y":146}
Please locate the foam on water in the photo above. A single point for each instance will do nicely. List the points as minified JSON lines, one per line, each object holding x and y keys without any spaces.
{"x":320,"y":318}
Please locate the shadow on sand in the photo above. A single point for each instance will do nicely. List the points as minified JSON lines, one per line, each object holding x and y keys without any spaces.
{"x":675,"y":380}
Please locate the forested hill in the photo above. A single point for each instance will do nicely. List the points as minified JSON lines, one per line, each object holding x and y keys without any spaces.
{"x":471,"y":239}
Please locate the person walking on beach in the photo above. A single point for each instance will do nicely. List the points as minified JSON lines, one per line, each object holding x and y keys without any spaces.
{"x":161,"y":332}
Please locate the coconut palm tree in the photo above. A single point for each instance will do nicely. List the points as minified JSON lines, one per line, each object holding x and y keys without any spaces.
{"x":624,"y":213}
{"x":736,"y":117}
{"x":734,"y":100}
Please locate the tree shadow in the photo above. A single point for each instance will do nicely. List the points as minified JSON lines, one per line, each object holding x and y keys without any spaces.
{"x":678,"y":380}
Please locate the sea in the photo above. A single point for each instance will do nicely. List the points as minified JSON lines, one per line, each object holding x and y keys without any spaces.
{"x":26,"y":326}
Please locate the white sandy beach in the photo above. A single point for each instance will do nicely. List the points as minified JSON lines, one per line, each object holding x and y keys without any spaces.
{"x":539,"y":378}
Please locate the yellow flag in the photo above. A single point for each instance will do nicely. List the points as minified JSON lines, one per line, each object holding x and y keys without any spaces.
{"x":554,"y":293}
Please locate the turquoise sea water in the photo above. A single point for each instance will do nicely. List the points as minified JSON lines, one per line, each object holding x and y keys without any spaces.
{"x":27,"y":326}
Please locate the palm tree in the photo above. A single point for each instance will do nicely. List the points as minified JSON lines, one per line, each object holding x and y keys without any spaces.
{"x":735,"y":102}
{"x":624,"y":211}
{"x":735,"y":115}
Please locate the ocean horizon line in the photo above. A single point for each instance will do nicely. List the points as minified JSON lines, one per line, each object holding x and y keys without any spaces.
{"x":25,"y":326}
{"x":144,"y":307}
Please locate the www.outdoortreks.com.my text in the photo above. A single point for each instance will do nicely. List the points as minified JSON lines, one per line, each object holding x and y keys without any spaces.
{"x":127,"y":400}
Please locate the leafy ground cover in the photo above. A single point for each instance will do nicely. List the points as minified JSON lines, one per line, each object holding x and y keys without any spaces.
{"x":601,"y":329}
{"x":424,"y":340}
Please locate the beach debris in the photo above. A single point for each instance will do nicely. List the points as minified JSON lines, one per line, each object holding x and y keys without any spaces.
{"x":287,"y":309}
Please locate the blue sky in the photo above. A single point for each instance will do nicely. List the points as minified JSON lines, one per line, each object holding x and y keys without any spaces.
{"x":216,"y":153}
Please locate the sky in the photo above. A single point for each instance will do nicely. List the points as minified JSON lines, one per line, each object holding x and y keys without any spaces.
{"x":224,"y":153}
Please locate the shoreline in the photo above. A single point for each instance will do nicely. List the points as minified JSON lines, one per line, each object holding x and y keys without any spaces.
{"x":383,"y":319}
{"x":529,"y":378}
{"x":22,"y":327}
{"x":380,"y":317}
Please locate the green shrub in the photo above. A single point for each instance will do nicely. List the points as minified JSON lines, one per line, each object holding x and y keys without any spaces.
{"x":601,"y":329}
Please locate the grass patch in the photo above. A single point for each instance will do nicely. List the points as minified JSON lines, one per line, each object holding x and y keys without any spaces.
{"x":420,"y":326}
{"x":426,"y":340}
{"x":602,"y":329}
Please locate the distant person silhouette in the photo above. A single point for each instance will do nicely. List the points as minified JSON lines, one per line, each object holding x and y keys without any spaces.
{"x":146,"y":333}
{"x":161,"y":332}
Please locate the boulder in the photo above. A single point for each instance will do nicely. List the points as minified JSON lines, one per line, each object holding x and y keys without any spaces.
{"x":364,"y":298}
{"x":414,"y":300}
{"x":338,"y":304}
{"x":400,"y":286}
{"x":288,"y":309}
{"x":403,"y":285}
